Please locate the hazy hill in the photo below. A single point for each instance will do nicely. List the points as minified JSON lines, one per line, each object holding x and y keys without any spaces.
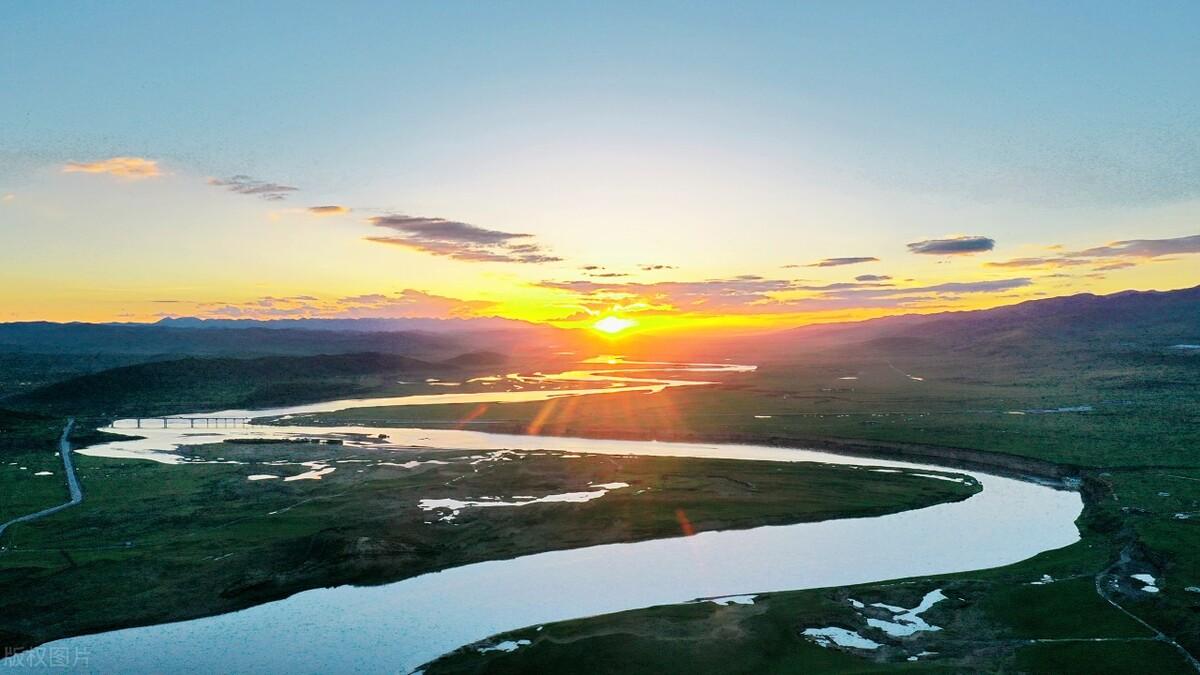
{"x":1130,"y":320}
{"x":151,"y":339}
{"x":378,"y":325}
{"x":192,"y":384}
{"x":420,"y":338}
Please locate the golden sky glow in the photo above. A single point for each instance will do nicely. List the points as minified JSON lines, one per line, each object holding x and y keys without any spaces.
{"x":276,"y":258}
{"x":548,"y":175}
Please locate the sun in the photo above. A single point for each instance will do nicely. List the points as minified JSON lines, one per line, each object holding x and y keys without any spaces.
{"x":613,"y":324}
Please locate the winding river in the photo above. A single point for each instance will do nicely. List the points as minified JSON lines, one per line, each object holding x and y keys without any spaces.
{"x":398,"y":626}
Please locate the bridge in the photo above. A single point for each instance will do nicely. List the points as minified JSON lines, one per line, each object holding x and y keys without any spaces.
{"x":193,"y":422}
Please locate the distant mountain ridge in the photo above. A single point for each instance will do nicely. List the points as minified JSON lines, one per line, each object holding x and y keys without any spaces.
{"x":1150,"y":319}
{"x":216,"y":382}
{"x":1144,"y":318}
{"x":364,"y":325}
{"x":432,"y":339}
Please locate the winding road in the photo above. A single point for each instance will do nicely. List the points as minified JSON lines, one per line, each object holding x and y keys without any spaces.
{"x":64,"y":449}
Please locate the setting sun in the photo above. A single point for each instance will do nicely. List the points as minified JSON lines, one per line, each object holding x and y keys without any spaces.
{"x":613,"y":324}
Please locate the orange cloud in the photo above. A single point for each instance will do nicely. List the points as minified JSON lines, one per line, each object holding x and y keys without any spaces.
{"x":125,"y":167}
{"x":329,"y":210}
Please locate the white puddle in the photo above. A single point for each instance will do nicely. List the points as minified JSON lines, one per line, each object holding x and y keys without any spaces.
{"x":734,"y":600}
{"x":841,"y":637}
{"x":908,"y":621}
{"x":412,"y":464}
{"x":1149,"y":583}
{"x":454,"y":506}
{"x":506,"y":646}
{"x":316,"y":471}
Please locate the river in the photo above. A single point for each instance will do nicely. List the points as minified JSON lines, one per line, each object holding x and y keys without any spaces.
{"x":396,"y":627}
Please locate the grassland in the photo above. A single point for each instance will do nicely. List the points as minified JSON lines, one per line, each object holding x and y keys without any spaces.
{"x":1141,"y":408}
{"x":1124,"y":424}
{"x":28,"y":447}
{"x":154,"y":543}
{"x":1107,"y":403}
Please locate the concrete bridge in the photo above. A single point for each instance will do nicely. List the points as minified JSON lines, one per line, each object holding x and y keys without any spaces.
{"x":194,"y":422}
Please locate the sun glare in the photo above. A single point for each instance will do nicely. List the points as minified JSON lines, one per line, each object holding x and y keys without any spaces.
{"x":612,"y":325}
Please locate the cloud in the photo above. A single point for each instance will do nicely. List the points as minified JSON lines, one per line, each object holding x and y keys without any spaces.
{"x":1113,"y":256}
{"x":246,"y":185}
{"x":460,"y":241}
{"x":967,"y":286}
{"x":405,"y":304}
{"x":872,"y":277}
{"x":750,"y":294}
{"x":1061,"y":261}
{"x":963,"y":245}
{"x":654,"y":268}
{"x":842,"y":285}
{"x":838,"y":262}
{"x":709,"y":294}
{"x":125,"y":167}
{"x":1142,"y":248}
{"x":329,"y":210}
{"x":1124,"y":264}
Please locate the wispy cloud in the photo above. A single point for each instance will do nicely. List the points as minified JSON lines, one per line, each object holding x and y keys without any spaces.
{"x":872,"y":277}
{"x":1142,"y":248}
{"x":754,"y":294}
{"x":962,"y":245}
{"x":125,"y":167}
{"x":655,"y":268}
{"x":1113,"y":256}
{"x":329,"y":210}
{"x":1051,"y":261}
{"x":708,"y":294}
{"x":408,"y":303}
{"x":460,"y":241}
{"x":838,"y":262}
{"x":1122,"y":265}
{"x":247,"y":185}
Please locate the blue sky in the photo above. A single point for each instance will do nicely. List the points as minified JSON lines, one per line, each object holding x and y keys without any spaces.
{"x":617,"y":132}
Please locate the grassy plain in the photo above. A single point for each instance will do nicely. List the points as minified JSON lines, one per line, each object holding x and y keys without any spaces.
{"x":1123,"y":422}
{"x":1118,"y":415}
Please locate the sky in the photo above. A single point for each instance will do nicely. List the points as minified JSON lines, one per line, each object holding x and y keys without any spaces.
{"x":672,"y":165}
